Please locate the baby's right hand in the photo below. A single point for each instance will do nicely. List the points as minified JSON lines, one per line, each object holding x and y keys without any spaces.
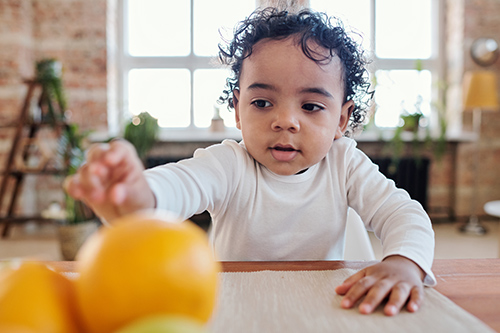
{"x":111,"y":182}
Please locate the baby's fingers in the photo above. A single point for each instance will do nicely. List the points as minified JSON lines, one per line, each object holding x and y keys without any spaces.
{"x":89,"y":183}
{"x":399,"y":295}
{"x":97,"y":152}
{"x":416,"y":298}
{"x":377,"y":294}
{"x":349,"y":282}
{"x":118,"y":151}
{"x":357,"y":291}
{"x":118,"y":194}
{"x":72,"y":186}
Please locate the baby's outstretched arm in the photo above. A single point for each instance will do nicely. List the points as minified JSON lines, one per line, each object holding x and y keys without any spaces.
{"x":396,"y":277}
{"x":111,"y":181}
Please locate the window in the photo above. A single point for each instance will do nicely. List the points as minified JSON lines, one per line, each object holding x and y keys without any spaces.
{"x":166,"y":58}
{"x":166,"y":55}
{"x":402,"y":37}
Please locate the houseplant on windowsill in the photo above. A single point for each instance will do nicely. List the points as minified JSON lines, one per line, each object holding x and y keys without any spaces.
{"x":421,"y":138}
{"x":411,"y":121}
{"x":141,"y":131}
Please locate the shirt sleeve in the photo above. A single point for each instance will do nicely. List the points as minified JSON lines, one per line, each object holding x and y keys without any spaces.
{"x":196,"y":184}
{"x":401,"y":223}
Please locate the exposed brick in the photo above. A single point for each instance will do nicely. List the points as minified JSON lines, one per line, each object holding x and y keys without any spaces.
{"x":72,"y":31}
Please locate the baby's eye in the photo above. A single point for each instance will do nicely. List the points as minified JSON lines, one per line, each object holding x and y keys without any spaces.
{"x":260,"y":103}
{"x":309,"y":107}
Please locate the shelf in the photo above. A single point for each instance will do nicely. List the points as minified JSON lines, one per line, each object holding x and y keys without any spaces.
{"x":36,"y":172}
{"x":24,"y":144}
{"x":59,"y":123}
{"x":23,"y":219}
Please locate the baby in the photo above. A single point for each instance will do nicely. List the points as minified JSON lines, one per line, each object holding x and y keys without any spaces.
{"x":282,"y":193}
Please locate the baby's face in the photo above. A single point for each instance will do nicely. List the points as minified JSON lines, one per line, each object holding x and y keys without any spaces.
{"x":289,"y":108}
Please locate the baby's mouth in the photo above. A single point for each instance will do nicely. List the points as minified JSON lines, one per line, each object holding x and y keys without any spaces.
{"x":287,"y":148}
{"x":284,"y":153}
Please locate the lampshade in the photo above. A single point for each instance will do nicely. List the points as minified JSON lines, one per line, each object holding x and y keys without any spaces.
{"x":480,"y":90}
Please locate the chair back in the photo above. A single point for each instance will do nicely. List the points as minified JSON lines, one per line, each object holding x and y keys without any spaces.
{"x":357,"y":242}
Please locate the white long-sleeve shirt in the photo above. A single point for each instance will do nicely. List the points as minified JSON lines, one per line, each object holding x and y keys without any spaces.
{"x":259,"y":215}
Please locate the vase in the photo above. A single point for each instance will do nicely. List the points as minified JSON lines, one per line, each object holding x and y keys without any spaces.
{"x":72,"y":237}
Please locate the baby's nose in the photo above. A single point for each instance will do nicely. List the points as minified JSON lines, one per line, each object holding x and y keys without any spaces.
{"x":286,"y":121}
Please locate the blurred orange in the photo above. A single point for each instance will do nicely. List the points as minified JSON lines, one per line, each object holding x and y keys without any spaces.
{"x":35,"y":299}
{"x":145,"y":265}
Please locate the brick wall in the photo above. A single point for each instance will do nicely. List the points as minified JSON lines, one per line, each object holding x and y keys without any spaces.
{"x":72,"y":31}
{"x":75,"y":33}
{"x":468,"y":20}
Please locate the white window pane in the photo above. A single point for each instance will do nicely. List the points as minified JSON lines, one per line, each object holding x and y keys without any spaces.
{"x":403,"y":29}
{"x":158,"y":27}
{"x":208,"y":86}
{"x":401,"y":90}
{"x":211,"y":16}
{"x":164,"y":93}
{"x":353,"y":13}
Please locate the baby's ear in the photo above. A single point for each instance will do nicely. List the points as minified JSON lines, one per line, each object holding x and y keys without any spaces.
{"x":236,"y":104}
{"x":345,"y":115}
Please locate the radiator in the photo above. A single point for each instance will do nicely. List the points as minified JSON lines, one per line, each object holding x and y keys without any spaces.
{"x":410,"y":174}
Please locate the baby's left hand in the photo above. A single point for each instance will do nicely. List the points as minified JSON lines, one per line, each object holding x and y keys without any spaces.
{"x":396,"y":277}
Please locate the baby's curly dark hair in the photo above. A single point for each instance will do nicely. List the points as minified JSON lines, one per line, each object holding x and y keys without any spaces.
{"x":308,"y":25}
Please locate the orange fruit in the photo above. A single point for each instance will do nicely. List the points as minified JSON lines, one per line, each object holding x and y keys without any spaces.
{"x":145,"y":264}
{"x":34,"y":298}
{"x":164,"y":324}
{"x":16,"y":329}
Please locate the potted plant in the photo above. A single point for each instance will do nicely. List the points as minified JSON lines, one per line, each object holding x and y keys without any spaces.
{"x":409,"y":123}
{"x":76,"y":220}
{"x":80,"y":221}
{"x":49,"y":76}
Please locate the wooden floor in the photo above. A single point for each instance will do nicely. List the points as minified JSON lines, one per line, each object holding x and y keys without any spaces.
{"x":40,"y":242}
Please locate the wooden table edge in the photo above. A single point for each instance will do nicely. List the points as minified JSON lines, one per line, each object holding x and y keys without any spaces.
{"x":451,"y":274}
{"x":441,"y":267}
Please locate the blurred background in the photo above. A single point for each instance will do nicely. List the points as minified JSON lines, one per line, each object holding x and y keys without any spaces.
{"x":428,"y":130}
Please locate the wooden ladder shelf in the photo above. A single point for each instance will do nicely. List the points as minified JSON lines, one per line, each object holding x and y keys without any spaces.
{"x":26,"y":130}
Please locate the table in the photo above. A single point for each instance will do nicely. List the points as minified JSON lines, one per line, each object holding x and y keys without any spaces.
{"x":473,"y":284}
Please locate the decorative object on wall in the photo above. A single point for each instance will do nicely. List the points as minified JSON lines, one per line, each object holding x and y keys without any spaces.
{"x":484,"y":51}
{"x":480,"y":89}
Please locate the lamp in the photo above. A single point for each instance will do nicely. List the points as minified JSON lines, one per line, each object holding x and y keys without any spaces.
{"x":480,"y":89}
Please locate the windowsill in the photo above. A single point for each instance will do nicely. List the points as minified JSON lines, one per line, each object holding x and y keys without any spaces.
{"x":198,"y":135}
{"x":382,"y":135}
{"x":206,"y":135}
{"x":182,"y":135}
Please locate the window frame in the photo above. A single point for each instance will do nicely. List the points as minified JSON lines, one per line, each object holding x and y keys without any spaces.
{"x":124,"y":62}
{"x":127,"y":62}
{"x":435,"y":64}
